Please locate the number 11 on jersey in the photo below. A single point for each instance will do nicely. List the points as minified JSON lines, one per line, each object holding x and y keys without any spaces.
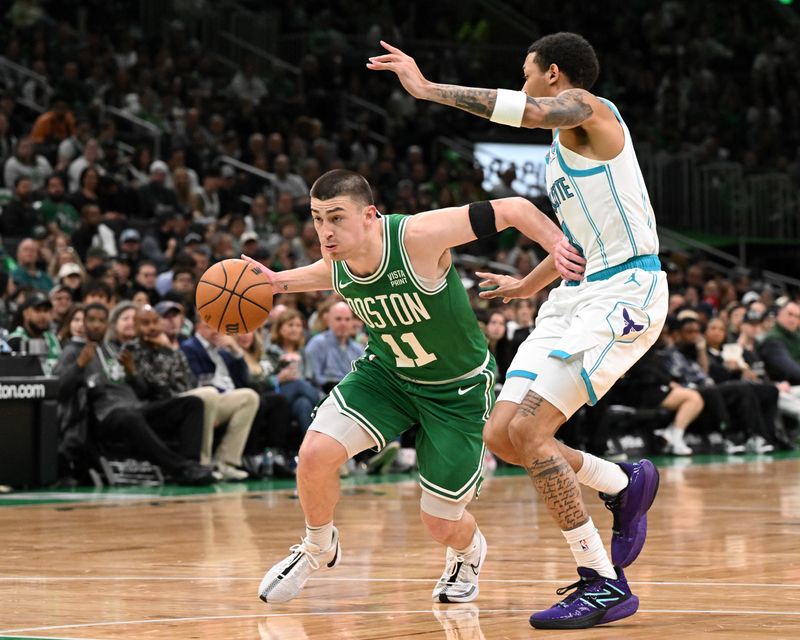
{"x":421,"y":357}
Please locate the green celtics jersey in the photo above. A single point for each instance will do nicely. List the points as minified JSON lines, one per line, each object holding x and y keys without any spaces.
{"x":425,"y":332}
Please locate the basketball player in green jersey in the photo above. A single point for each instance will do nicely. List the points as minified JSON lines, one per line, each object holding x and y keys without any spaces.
{"x":427,"y":362}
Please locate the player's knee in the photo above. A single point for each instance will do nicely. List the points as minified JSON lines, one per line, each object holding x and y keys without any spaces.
{"x":495,"y":435}
{"x":525,"y":433}
{"x":438,"y":528}
{"x":319,"y":455}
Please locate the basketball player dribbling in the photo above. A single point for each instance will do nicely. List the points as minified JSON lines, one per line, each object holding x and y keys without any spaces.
{"x":426,"y":362}
{"x":587,"y":334}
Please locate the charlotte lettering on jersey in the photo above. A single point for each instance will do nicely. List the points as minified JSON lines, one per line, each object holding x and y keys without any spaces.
{"x":559,"y":192}
{"x":389,"y":310}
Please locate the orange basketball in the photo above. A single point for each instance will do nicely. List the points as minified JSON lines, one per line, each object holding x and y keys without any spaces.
{"x":234,"y":296}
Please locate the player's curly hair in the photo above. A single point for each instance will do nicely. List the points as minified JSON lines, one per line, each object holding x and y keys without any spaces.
{"x":341,"y":182}
{"x":572,"y":53}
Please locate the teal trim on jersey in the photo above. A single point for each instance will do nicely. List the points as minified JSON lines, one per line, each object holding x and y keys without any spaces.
{"x":589,"y":388}
{"x":576,"y":173}
{"x":561,"y":355}
{"x":645,"y":263}
{"x":621,"y":209}
{"x":651,"y":291}
{"x":639,"y":179}
{"x":520,"y":373}
{"x":571,"y":238}
{"x":613,"y":108}
{"x":600,"y":244}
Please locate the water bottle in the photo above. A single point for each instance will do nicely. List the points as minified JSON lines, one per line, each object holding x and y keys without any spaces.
{"x":268,"y":466}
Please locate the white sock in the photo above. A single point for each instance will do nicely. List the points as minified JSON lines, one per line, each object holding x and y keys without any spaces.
{"x":588,"y":549}
{"x":601,"y":475}
{"x":321,"y":536}
{"x":471,"y":546}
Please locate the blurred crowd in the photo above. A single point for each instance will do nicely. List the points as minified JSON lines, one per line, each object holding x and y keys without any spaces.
{"x":104,"y":242}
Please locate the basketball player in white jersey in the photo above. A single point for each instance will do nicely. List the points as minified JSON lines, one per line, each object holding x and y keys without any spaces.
{"x":589,"y":333}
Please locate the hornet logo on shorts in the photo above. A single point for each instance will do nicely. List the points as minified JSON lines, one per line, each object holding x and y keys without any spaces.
{"x":630,"y":325}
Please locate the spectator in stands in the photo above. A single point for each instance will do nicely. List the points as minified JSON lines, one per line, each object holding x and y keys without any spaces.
{"x":62,"y":301}
{"x":287,"y":182}
{"x":650,"y":384}
{"x":121,"y":326}
{"x":20,"y":216}
{"x":751,"y":415}
{"x":33,"y":335}
{"x":495,"y":332}
{"x":89,"y":158}
{"x":332,"y":352}
{"x":285,"y":360}
{"x":155,"y":197}
{"x":750,"y":335}
{"x":780,"y":348}
{"x":8,"y":141}
{"x":72,"y":326}
{"x":28,"y":273}
{"x":206,"y":197}
{"x":286,"y":432}
{"x":97,"y":292}
{"x":93,"y":233}
{"x":54,"y":125}
{"x":130,"y":243}
{"x":72,"y":147}
{"x":161,"y":244}
{"x":145,"y":280}
{"x":218,"y":360}
{"x":245,"y":85}
{"x":60,"y":216}
{"x":162,"y":372}
{"x":122,"y":420}
{"x":87,"y":193}
{"x":183,"y":187}
{"x":182,"y":289}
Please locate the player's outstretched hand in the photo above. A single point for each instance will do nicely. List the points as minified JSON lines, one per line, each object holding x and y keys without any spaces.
{"x":568,"y":261}
{"x":503,"y":286}
{"x":404,"y":66}
{"x":269,"y":272}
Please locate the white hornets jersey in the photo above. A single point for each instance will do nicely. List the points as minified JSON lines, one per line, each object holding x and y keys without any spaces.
{"x":603,"y":206}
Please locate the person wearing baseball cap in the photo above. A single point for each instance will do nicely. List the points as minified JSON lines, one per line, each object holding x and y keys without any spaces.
{"x":33,"y":335}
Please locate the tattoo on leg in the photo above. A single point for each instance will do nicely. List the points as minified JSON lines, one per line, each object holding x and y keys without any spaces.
{"x":530,"y":404}
{"x":555,"y":482}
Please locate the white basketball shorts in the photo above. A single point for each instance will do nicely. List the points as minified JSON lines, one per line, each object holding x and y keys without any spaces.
{"x":586,"y":337}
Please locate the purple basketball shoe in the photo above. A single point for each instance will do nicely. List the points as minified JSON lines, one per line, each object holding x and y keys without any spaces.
{"x":596,"y":600}
{"x":629,"y":507}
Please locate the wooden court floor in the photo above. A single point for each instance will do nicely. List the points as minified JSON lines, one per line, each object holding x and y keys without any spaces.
{"x":722,"y":560}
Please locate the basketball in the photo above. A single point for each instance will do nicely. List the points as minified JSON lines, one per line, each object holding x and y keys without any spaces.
{"x":234,"y":296}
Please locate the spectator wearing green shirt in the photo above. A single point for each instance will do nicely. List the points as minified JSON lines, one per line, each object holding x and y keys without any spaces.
{"x":58,"y":214}
{"x":27,"y":273}
{"x":33,"y":336}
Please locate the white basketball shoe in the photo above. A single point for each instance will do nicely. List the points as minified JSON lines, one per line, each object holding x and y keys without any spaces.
{"x":459,"y":582}
{"x":288,"y":577}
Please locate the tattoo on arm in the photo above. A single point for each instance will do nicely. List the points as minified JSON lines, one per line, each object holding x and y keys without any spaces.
{"x":565,"y":110}
{"x":555,"y":482}
{"x":476,"y":101}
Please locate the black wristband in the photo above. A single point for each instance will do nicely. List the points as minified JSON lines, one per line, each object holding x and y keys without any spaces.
{"x":481,"y":217}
